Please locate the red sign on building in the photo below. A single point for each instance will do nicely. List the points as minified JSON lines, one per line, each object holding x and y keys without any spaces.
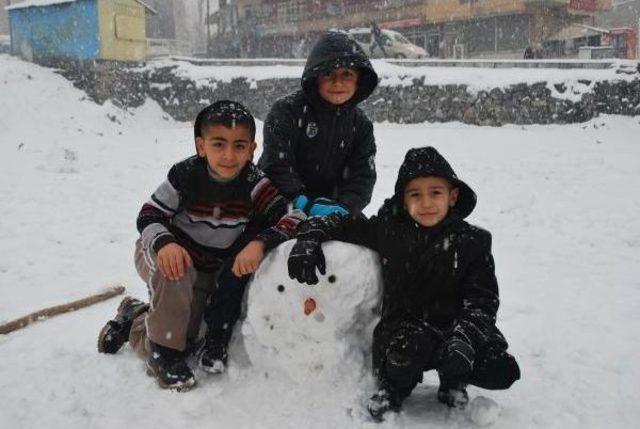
{"x":583,"y":5}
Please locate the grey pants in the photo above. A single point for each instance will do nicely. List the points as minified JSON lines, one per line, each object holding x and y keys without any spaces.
{"x":176,"y":306}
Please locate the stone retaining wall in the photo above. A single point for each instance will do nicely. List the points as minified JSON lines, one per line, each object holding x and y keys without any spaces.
{"x":182,"y":98}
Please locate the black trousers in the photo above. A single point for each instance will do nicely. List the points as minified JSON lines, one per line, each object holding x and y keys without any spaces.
{"x":401,"y":354}
{"x":222,"y":313}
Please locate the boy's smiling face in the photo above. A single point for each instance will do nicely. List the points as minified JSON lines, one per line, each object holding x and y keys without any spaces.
{"x":227,"y":150}
{"x":428,"y":199}
{"x":338,"y":86}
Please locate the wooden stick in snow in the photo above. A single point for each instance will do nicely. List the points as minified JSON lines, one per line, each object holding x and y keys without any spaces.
{"x":45,"y":313}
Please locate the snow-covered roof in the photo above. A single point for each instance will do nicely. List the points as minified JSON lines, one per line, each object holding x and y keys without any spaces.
{"x":40,"y":3}
{"x":36,"y":3}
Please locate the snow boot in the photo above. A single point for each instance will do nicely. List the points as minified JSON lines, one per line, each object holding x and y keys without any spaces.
{"x":453,"y":395}
{"x":116,"y":332}
{"x":169,"y":368}
{"x":381,"y":403}
{"x":213,"y":355}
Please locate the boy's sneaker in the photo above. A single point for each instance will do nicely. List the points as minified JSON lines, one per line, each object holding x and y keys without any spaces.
{"x":381,"y":403}
{"x":116,"y":332}
{"x":453,"y":395}
{"x":169,"y":368}
{"x":213,"y":356}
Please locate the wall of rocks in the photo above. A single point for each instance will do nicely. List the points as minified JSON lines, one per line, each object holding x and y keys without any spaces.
{"x":129,"y":86}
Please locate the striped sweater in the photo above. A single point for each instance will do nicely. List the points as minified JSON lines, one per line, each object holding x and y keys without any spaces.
{"x":213,"y":219}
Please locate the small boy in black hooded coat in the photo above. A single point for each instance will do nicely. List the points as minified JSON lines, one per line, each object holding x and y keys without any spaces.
{"x":319,"y":151}
{"x":440,"y":292}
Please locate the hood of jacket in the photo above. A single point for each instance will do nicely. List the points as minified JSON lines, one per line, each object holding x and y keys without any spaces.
{"x":334,"y":50}
{"x":424,"y":162}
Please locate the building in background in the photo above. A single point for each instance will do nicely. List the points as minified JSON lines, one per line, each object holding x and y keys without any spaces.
{"x":622,"y":23}
{"x":79,"y":30}
{"x":446,"y":29}
{"x":179,"y":28}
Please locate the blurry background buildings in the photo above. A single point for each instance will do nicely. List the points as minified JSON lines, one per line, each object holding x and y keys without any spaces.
{"x":444,"y":28}
{"x":475,"y":29}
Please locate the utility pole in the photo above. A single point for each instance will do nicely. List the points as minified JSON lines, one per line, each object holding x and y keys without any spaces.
{"x":206,"y":22}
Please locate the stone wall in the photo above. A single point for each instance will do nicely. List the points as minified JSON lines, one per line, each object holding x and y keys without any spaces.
{"x":182,"y":98}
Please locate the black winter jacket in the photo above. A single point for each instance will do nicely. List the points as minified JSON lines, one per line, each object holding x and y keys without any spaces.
{"x":442,"y":275}
{"x":318,"y":149}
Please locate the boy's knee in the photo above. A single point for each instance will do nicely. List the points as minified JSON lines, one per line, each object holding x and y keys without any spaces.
{"x":410,"y":350}
{"x":179,"y":292}
{"x":402,"y":366}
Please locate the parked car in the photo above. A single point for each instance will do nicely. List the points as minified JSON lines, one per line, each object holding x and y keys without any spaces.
{"x":395,"y":46}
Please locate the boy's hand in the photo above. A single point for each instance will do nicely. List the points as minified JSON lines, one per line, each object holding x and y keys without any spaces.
{"x":305,"y":256}
{"x":172,"y":261}
{"x":248,"y":260}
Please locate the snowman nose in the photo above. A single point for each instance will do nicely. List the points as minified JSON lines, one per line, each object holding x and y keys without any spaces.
{"x":309,"y":306}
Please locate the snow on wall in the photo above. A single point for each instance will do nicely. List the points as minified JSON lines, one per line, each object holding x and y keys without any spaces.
{"x":475,"y":78}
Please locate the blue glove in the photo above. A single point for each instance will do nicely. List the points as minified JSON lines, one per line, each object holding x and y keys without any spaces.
{"x":325,"y":207}
{"x":300,"y":202}
{"x":319,"y":207}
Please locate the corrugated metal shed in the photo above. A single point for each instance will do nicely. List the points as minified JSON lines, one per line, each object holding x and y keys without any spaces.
{"x":79,"y":29}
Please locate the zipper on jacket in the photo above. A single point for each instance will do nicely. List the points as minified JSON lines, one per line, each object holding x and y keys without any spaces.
{"x":331,"y":148}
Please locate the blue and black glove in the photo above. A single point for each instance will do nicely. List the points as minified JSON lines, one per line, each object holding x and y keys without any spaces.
{"x":305,"y":256}
{"x":457,"y":355}
{"x":325,"y":207}
{"x":319,"y":207}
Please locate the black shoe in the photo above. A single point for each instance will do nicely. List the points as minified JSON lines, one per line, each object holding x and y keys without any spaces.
{"x":453,"y":395}
{"x":213,"y":356}
{"x":116,"y":332}
{"x":169,"y":368}
{"x":381,"y":403}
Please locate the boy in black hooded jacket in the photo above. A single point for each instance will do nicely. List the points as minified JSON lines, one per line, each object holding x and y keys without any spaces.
{"x":319,"y":147}
{"x":440,"y":292}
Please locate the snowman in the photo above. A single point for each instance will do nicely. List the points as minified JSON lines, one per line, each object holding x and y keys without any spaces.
{"x":319,"y":333}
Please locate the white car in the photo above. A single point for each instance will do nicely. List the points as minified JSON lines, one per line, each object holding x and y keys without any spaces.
{"x":396,"y":45}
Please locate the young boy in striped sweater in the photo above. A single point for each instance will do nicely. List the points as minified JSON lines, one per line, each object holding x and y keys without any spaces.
{"x":202,"y":233}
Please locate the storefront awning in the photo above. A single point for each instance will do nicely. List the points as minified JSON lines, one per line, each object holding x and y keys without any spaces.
{"x":575,"y":31}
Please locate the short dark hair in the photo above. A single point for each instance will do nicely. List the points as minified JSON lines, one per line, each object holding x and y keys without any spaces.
{"x":227,"y":113}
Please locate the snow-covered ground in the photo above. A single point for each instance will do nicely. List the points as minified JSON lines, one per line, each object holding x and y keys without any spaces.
{"x":562,"y":203}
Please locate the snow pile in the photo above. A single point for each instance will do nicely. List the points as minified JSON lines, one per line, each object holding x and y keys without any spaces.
{"x":201,"y":74}
{"x":320,"y":333}
{"x":483,"y":411}
{"x":62,"y":158}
